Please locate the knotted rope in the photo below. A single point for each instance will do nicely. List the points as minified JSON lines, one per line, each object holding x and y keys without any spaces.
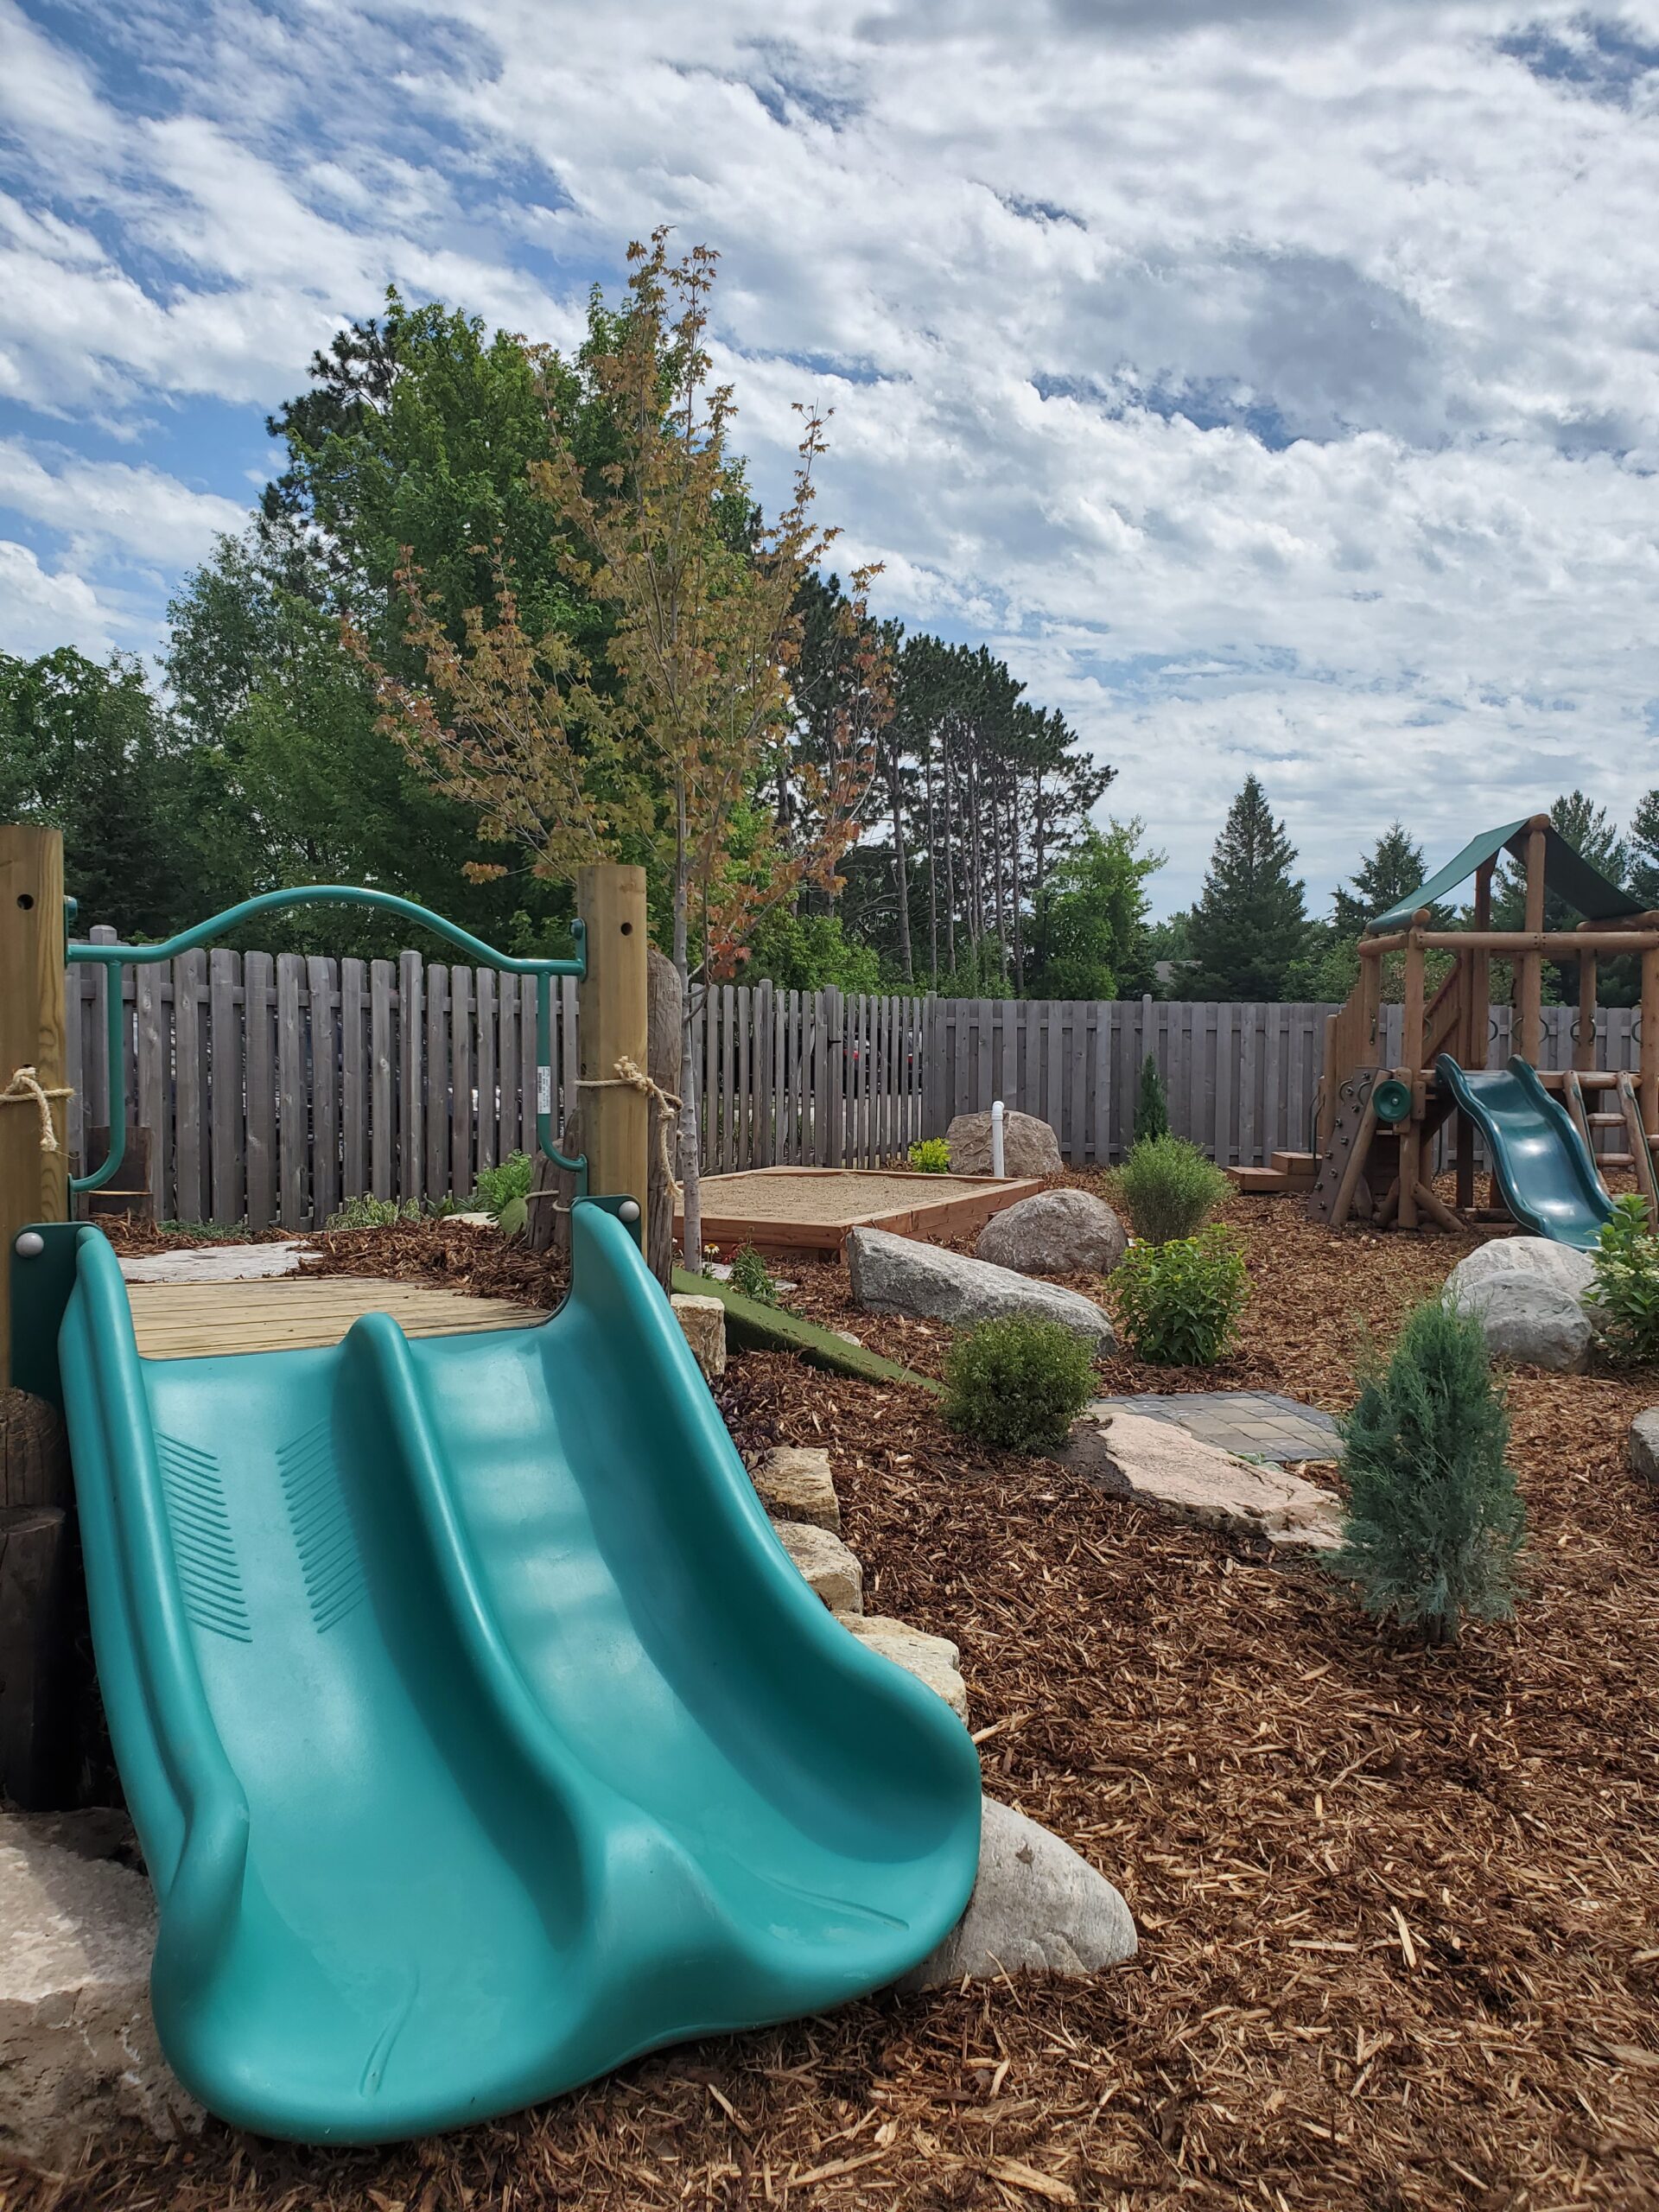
{"x":629,"y":1076}
{"x":25,"y":1085}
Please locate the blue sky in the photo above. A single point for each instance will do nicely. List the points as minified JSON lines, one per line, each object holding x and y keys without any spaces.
{"x":1274,"y":386}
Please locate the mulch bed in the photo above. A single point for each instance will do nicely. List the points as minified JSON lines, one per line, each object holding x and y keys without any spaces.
{"x":1399,"y":1910}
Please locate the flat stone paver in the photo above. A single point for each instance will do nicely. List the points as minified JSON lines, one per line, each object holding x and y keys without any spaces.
{"x":1255,"y":1424}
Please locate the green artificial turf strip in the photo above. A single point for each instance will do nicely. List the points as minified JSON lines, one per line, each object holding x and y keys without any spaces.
{"x":752,"y":1328}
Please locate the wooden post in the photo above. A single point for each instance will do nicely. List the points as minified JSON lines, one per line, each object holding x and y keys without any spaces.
{"x":1530,"y":995}
{"x":34,"y":1183}
{"x":1480,"y":975}
{"x":1647,"y":1084}
{"x":38,"y":1759}
{"x":665,"y":1045}
{"x":1584,"y":1045}
{"x":1411,"y":1137}
{"x":617,"y":1119}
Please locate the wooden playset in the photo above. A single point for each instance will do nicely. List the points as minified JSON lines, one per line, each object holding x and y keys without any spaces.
{"x":1376,"y":1126}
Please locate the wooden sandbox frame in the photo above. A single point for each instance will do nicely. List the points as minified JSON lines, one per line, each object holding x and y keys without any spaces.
{"x":948,"y":1213}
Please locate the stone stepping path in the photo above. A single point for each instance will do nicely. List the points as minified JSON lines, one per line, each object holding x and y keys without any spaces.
{"x":1253,"y":1424}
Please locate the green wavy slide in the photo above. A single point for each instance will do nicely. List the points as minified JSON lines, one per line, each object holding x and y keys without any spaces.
{"x":1544,"y":1169}
{"x":478,"y":1732}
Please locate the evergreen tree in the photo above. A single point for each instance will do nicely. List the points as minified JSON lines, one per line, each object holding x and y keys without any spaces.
{"x":1591,"y":831}
{"x":1392,"y":869}
{"x":1151,"y":1106}
{"x":1433,"y":1520}
{"x":1643,"y":861}
{"x":1250,"y":922}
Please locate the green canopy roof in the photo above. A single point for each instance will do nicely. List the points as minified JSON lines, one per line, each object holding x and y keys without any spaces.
{"x":1567,"y":872}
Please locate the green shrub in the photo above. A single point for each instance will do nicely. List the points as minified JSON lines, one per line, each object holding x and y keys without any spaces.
{"x":1017,"y":1382}
{"x":1178,"y":1301}
{"x":498,"y":1186}
{"x":366,"y":1211}
{"x":931,"y":1155}
{"x":1151,"y":1108}
{"x":1624,"y":1300}
{"x":751,"y":1278}
{"x":1169,"y":1187}
{"x":1433,"y":1520}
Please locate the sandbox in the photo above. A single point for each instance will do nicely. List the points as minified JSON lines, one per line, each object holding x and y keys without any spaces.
{"x":806,"y":1212}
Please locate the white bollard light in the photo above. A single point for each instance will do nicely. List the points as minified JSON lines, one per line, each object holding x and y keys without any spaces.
{"x":996,"y":1137}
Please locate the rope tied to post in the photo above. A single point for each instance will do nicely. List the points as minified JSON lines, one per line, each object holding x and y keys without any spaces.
{"x":629,"y":1076}
{"x":26,"y":1087}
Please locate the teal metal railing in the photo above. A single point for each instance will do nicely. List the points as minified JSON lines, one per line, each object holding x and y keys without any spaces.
{"x":115,"y":956}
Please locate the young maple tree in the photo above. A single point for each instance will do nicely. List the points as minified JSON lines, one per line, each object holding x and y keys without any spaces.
{"x":701,"y":596}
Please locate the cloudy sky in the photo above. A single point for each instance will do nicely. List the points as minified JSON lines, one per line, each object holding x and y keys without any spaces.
{"x":1274,"y":386}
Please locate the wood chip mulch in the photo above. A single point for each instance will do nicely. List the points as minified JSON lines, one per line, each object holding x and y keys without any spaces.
{"x":1399,"y":1911}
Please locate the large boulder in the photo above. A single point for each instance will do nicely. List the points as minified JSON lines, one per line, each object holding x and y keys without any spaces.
{"x":1160,"y":1465}
{"x":895,"y":1274}
{"x":1037,"y":1907}
{"x":1054,"y":1233}
{"x":78,"y":2048}
{"x":1643,"y":1445}
{"x":1563,"y":1266}
{"x":1527,"y":1317}
{"x":1029,"y":1146}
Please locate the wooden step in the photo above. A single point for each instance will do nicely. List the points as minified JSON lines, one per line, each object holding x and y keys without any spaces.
{"x":1296,"y":1163}
{"x":1269,"y":1182}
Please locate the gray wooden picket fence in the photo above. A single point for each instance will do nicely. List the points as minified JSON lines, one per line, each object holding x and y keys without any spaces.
{"x":273,"y":1087}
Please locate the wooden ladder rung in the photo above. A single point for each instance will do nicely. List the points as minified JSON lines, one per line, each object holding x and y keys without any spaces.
{"x":1605,"y":1121}
{"x":1615,"y":1159}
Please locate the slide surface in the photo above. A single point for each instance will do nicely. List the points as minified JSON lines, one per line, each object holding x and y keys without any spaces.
{"x":478,"y":1732}
{"x":1543,"y":1166}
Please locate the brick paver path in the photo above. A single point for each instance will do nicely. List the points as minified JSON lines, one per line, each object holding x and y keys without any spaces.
{"x":1255,"y":1424}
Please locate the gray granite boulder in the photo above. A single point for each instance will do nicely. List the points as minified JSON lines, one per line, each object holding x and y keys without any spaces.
{"x":1643,"y":1445}
{"x":1029,"y":1146}
{"x":1054,"y":1233}
{"x":1527,"y":1317}
{"x":1541,"y":1258}
{"x":1037,"y":1907}
{"x":77,"y":2047}
{"x":896,"y":1275}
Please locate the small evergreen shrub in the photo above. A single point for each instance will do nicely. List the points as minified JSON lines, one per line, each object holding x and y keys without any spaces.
{"x":1017,"y":1382}
{"x":931,"y":1155}
{"x":498,"y":1186}
{"x":1624,"y":1300}
{"x":1178,"y":1301}
{"x":751,"y":1278}
{"x":1434,"y":1521}
{"x":1152,"y":1107}
{"x":1169,"y":1187}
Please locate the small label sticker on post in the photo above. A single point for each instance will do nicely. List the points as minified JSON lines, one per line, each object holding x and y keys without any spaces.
{"x":543,"y":1090}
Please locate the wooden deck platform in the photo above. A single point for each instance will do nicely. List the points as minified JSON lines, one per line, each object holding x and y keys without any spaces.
{"x":175,"y":1320}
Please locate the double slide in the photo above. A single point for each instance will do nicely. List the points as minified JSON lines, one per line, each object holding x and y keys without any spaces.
{"x":478,"y":1732}
{"x":1543,"y":1166}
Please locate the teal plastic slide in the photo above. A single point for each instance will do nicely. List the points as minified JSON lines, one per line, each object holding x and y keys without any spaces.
{"x":1543,"y":1166}
{"x":478,"y":1732}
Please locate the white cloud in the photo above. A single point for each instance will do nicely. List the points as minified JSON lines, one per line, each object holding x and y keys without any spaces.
{"x":110,"y":504}
{"x":1275,"y":385}
{"x":40,"y":611}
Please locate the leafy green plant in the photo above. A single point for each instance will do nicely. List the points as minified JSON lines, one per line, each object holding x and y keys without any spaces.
{"x":1178,"y":1301}
{"x":1151,"y":1107}
{"x":931,"y":1155}
{"x":209,"y":1232}
{"x":1433,"y":1522}
{"x":751,"y":1278}
{"x":1017,"y":1382}
{"x":498,"y":1186}
{"x":1622,"y":1301}
{"x":1169,"y":1187}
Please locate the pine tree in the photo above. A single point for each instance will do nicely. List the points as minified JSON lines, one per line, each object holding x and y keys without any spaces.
{"x":1644,"y":863}
{"x":1433,"y":1520}
{"x":1152,"y":1107}
{"x":1390,"y":872}
{"x":1251,"y":921}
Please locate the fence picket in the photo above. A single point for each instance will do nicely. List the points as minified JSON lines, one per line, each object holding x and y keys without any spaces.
{"x":293,"y":1197}
{"x":353,"y":1081}
{"x":327,"y":1080}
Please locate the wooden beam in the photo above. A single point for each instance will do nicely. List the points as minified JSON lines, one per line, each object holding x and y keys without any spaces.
{"x":612,"y":1026}
{"x":33,"y":1181}
{"x":1567,"y":945}
{"x":1435,"y":1207}
{"x":1646,"y":1083}
{"x":1353,"y":1168}
{"x":1480,"y":973}
{"x":1529,"y":975}
{"x":1584,"y":1045}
